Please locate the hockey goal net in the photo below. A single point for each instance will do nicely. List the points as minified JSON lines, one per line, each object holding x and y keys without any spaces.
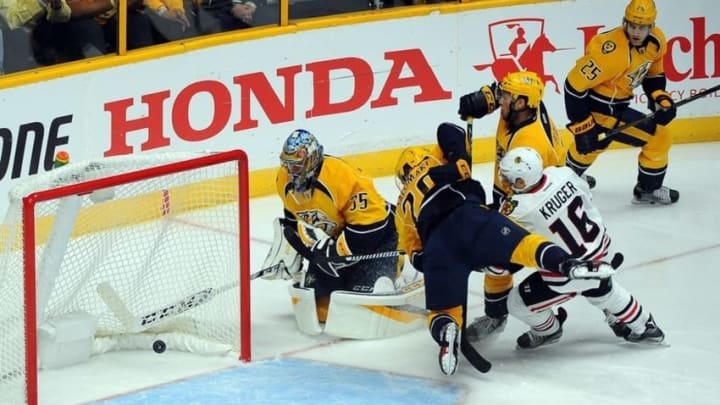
{"x":133,"y":249}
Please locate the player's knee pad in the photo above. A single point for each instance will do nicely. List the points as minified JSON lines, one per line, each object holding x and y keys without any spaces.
{"x":602,"y":290}
{"x":518,"y":308}
{"x":615,"y":296}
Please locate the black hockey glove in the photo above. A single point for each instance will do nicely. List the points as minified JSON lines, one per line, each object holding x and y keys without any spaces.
{"x":450,"y":173}
{"x":479,"y":103}
{"x":586,"y":135}
{"x":663,"y":105}
{"x":323,"y":253}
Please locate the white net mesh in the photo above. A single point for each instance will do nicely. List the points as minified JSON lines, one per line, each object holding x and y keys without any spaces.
{"x":155,"y":242}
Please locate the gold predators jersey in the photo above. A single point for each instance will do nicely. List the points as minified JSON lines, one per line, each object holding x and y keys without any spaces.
{"x":410,"y":201}
{"x":538,"y":133}
{"x":341,"y":196}
{"x":612,"y":68}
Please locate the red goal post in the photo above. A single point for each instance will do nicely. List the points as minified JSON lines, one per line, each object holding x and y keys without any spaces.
{"x":133,"y":249}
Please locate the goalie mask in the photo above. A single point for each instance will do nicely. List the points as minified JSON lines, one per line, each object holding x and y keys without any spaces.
{"x":521,"y":168}
{"x":302,"y":158}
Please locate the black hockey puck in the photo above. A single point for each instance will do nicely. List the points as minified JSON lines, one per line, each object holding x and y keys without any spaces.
{"x":158,"y":346}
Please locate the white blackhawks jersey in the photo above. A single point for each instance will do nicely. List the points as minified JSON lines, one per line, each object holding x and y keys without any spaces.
{"x":561,"y":209}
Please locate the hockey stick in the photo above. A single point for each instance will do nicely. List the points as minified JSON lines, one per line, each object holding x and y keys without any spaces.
{"x":369,"y":256}
{"x":138,"y":324}
{"x":469,"y":124}
{"x":473,"y":357}
{"x":340,"y":260}
{"x":680,"y":103}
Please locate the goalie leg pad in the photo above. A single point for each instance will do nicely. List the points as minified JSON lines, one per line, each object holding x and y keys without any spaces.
{"x":371,"y":316}
{"x":282,"y":256}
{"x":305,"y":309}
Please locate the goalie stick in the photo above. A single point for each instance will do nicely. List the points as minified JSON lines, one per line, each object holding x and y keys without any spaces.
{"x":136,"y":324}
{"x":680,"y":103}
{"x":340,"y":260}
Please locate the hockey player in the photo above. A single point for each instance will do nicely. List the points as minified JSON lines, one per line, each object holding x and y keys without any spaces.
{"x":330,"y":209}
{"x":448,"y":231}
{"x":523,"y":121}
{"x":555,"y":202}
{"x":598,"y":91}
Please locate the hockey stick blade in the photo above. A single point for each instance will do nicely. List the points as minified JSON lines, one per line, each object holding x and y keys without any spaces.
{"x":116,"y":305}
{"x":680,"y":103}
{"x":135,"y":324}
{"x":473,"y":357}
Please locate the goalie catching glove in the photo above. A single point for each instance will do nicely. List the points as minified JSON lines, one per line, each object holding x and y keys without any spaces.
{"x":282,"y":261}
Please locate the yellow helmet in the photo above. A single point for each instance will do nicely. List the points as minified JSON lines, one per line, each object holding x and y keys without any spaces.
{"x":527,"y":84}
{"x":409,"y":158}
{"x":641,"y":12}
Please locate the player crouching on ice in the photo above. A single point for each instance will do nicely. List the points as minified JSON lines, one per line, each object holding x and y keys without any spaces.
{"x":332,"y":213}
{"x":448,"y":231}
{"x":557,"y":203}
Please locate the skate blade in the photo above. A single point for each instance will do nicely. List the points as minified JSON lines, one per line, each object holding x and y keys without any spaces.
{"x":635,"y":201}
{"x":650,"y":343}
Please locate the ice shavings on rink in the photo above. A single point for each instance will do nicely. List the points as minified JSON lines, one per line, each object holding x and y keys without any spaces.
{"x":291,"y":381}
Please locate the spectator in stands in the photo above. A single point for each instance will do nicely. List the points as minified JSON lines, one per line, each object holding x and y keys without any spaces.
{"x":224,"y":15}
{"x":170,"y":20}
{"x":17,"y":19}
{"x":140,"y":30}
{"x":76,"y":38}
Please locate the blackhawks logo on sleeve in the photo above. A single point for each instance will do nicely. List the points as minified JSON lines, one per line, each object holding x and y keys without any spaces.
{"x":508,"y":206}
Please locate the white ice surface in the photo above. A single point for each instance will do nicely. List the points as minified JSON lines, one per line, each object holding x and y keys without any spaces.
{"x":671,"y":266}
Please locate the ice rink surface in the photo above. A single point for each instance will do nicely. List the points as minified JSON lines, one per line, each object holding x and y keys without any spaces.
{"x":671,"y":267}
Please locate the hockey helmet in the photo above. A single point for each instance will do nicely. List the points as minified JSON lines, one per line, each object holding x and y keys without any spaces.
{"x":526,"y":84}
{"x":641,"y":12}
{"x":522,"y":168}
{"x":302,"y":157}
{"x":409,"y":158}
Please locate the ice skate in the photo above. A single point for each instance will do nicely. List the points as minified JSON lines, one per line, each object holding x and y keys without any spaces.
{"x":446,"y":333}
{"x":652,"y":334}
{"x":663,"y":196}
{"x":485,"y":328}
{"x":619,"y":328}
{"x":531,"y":340}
